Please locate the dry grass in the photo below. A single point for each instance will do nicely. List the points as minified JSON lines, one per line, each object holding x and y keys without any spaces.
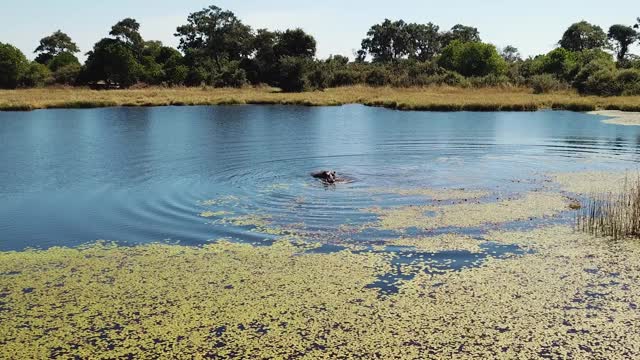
{"x":430,"y":98}
{"x":615,"y":215}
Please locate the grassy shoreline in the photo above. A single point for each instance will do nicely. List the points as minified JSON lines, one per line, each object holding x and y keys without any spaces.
{"x":424,"y":99}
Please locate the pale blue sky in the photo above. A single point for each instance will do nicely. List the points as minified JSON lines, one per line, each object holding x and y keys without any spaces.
{"x":338,"y":25}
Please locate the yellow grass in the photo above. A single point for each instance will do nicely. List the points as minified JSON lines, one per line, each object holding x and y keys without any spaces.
{"x":431,"y":98}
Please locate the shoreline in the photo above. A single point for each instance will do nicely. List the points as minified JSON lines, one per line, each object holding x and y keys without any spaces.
{"x":444,"y":99}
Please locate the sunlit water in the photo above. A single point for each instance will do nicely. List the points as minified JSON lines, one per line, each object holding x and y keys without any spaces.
{"x":138,"y":175}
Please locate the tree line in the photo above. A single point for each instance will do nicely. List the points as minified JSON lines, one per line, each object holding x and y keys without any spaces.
{"x":217,"y":49}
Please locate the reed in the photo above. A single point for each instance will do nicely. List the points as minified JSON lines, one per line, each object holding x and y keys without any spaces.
{"x":432,"y":98}
{"x":614,"y":215}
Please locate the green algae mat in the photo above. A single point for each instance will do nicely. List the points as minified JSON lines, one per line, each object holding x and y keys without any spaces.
{"x":566,"y":295}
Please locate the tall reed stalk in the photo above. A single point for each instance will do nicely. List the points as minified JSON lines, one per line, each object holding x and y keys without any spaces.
{"x":615,"y":215}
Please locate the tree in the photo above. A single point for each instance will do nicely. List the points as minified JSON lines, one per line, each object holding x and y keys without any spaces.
{"x":510,"y":54}
{"x":583,"y":36}
{"x":472,"y":59}
{"x":559,"y":62}
{"x":295,"y":43}
{"x":424,"y":41}
{"x":622,"y":37}
{"x":53,"y":45}
{"x":112,"y":61}
{"x":13,"y":66}
{"x":128,"y":31}
{"x":63,"y":59}
{"x":460,"y":33}
{"x":387,"y":42}
{"x":217,"y":34}
{"x":293,"y":74}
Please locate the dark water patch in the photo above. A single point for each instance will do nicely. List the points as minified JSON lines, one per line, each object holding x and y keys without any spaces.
{"x":407,"y":263}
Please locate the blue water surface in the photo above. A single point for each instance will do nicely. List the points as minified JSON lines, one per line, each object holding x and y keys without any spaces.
{"x":139,"y":175}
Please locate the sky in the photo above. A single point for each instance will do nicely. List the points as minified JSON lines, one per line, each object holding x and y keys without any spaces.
{"x":534,"y":27}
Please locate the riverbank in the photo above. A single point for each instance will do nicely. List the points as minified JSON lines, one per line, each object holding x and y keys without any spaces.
{"x":425,"y":99}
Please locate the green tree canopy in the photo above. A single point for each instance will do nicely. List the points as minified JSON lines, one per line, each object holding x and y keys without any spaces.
{"x":63,"y":59}
{"x":472,"y":59}
{"x":424,"y":41}
{"x":510,"y":54}
{"x":13,"y":66}
{"x":622,"y":37}
{"x":295,"y":43}
{"x":128,"y":31}
{"x":387,"y":42}
{"x":217,"y":34}
{"x":583,"y":36}
{"x":112,"y":61}
{"x":53,"y":45}
{"x":461,"y":33}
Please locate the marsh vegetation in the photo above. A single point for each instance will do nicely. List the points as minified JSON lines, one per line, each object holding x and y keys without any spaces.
{"x":613,"y":214}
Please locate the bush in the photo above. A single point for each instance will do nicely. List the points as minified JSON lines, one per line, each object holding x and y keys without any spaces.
{"x":603,"y":82}
{"x":545,"y":83}
{"x":231,"y":76}
{"x":13,"y":66}
{"x":67,"y":75}
{"x":377,"y":77}
{"x":37,"y":75}
{"x":292,"y":74}
{"x":472,"y":59}
{"x":319,"y":77}
{"x":490,"y":81}
{"x":629,"y":81}
{"x":345,"y":78}
{"x":586,"y":83}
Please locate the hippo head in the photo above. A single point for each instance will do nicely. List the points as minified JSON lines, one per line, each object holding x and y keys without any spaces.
{"x":332,"y":176}
{"x":329,"y":176}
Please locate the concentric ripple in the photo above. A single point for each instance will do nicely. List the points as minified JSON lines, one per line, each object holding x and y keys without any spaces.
{"x":138,"y":175}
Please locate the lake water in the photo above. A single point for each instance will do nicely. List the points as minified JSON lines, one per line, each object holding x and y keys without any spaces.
{"x":138,"y":175}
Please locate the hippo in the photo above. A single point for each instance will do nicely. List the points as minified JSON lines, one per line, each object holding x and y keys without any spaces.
{"x":327,"y":177}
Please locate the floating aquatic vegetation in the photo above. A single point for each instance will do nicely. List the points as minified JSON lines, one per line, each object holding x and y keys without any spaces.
{"x":532,"y":205}
{"x":220,"y":201}
{"x":445,"y":242}
{"x":210,"y":214}
{"x":589,"y":182}
{"x":574,"y":297}
{"x":276,"y":187}
{"x":437,"y":194}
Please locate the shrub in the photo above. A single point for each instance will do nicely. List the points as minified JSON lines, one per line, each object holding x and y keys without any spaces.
{"x":545,"y":83}
{"x":231,"y":76}
{"x":586,"y":81}
{"x":629,"y":81}
{"x":292,"y":74}
{"x":377,"y":77}
{"x":319,"y":77}
{"x":345,"y":78}
{"x":37,"y":75}
{"x":472,"y":59}
{"x":490,"y":81}
{"x":67,"y":74}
